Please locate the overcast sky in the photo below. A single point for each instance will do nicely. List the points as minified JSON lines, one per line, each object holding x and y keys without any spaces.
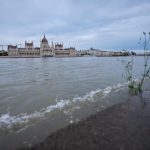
{"x":103,"y":24}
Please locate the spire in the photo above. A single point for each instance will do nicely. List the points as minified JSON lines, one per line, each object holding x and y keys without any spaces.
{"x":44,"y":39}
{"x":52,"y":46}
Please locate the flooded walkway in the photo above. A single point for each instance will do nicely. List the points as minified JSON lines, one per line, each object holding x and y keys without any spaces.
{"x":121,"y":127}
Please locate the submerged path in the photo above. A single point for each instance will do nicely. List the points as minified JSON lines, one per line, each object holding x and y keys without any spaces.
{"x":122,"y":127}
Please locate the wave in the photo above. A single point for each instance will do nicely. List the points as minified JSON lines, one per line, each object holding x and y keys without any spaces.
{"x":20,"y":121}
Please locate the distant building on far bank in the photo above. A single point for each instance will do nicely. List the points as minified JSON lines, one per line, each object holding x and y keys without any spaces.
{"x":101,"y":53}
{"x":45,"y":50}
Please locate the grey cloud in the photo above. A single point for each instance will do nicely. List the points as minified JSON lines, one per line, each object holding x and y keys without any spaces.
{"x":103,"y":24}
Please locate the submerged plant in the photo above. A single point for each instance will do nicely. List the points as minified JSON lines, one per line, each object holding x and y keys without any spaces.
{"x":128,"y":68}
{"x":136,"y":87}
{"x":146,"y":72}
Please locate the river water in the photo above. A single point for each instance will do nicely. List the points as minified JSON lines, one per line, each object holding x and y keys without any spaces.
{"x":41,"y":95}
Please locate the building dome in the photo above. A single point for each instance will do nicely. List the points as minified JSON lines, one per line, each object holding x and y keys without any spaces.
{"x":44,"y":40}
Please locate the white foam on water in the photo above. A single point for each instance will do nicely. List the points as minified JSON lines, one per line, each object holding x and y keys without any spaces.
{"x":59,"y":105}
{"x":8,"y":121}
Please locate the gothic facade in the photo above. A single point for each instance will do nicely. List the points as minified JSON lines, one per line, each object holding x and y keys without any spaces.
{"x":45,"y":50}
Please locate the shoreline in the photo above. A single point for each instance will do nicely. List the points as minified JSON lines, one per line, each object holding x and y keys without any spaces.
{"x":123,"y":126}
{"x":61,"y":56}
{"x":19,"y":57}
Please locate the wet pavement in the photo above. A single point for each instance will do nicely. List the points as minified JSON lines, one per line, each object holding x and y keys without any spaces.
{"x":121,"y":127}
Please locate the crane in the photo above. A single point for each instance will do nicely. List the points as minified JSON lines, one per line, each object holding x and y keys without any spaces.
{"x":2,"y":47}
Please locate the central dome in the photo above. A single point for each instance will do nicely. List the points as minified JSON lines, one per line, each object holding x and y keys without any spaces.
{"x":44,"y":40}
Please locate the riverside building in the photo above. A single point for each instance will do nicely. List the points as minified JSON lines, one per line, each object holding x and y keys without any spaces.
{"x":45,"y":50}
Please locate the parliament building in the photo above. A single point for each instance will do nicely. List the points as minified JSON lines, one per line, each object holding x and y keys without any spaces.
{"x":45,"y":50}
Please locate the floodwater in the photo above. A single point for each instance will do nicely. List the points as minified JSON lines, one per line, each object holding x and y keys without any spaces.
{"x":41,"y":95}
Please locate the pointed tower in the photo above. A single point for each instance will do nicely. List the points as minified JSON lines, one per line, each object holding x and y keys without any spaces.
{"x":52,"y":45}
{"x":45,"y":49}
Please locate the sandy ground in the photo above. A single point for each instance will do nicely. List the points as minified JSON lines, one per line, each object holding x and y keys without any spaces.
{"x":122,"y":127}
